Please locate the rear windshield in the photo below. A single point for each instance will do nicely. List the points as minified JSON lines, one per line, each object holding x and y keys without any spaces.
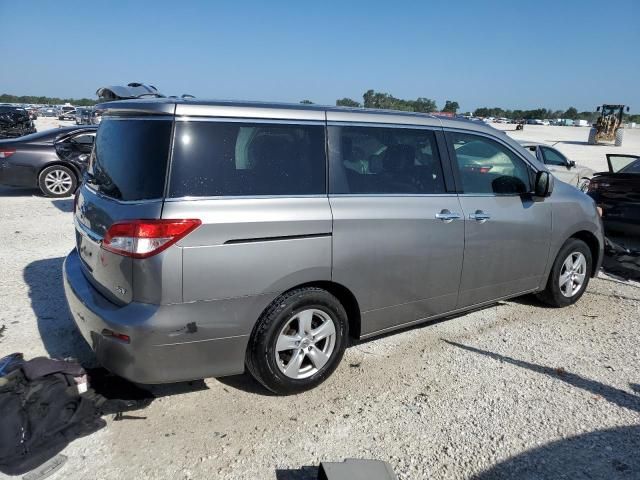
{"x":129,"y":160}
{"x":247,"y":159}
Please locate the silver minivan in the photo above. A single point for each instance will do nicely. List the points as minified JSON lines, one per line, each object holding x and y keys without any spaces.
{"x":218,"y":236}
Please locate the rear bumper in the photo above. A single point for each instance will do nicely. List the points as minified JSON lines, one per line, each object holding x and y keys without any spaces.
{"x":168,"y":343}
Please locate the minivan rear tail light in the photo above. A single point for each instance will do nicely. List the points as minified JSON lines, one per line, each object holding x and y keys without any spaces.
{"x":145,"y":238}
{"x":7,"y":152}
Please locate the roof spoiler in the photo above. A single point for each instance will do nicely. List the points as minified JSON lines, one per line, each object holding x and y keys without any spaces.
{"x":130,"y":91}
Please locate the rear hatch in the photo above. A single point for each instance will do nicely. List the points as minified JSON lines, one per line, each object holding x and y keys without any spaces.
{"x":125,"y":181}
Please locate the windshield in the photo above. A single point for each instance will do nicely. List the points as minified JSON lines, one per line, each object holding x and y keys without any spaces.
{"x":609,"y":110}
{"x":130,"y":158}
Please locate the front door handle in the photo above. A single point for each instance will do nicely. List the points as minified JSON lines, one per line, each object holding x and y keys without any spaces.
{"x":479,"y":216}
{"x":447,"y":217}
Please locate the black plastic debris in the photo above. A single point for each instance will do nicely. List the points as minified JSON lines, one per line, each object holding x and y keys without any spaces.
{"x":115,"y":395}
{"x":43,"y":410}
{"x":622,"y":258}
{"x":45,"y":404}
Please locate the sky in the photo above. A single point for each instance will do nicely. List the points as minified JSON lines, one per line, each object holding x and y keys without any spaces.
{"x":510,"y":54}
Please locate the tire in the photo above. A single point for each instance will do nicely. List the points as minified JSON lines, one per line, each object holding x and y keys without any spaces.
{"x":619,"y":137}
{"x":57,"y":181}
{"x":282,"y":323}
{"x":557,"y":296}
{"x":592,"y":136}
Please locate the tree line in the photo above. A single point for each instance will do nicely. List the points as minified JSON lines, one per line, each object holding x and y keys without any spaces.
{"x":42,"y":100}
{"x":386,"y":101}
{"x":373,"y":99}
{"x":541,"y":113}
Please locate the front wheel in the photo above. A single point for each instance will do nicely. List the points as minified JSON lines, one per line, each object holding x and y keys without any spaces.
{"x":57,"y":181}
{"x":298,"y":341}
{"x":569,"y":275}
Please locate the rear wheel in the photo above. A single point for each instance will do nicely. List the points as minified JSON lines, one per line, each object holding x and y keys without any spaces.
{"x":569,"y":275}
{"x":298,"y":341}
{"x":57,"y":181}
{"x":619,"y":137}
{"x":592,"y":136}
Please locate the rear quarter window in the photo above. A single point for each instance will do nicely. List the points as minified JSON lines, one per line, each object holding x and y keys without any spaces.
{"x":212,"y":159}
{"x":129,"y":159}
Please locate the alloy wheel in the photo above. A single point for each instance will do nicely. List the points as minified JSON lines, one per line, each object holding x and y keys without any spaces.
{"x":572,"y":274}
{"x":58,"y":182}
{"x":305,"y":343}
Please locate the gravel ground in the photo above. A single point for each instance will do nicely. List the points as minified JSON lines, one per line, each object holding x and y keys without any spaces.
{"x":516,"y":390}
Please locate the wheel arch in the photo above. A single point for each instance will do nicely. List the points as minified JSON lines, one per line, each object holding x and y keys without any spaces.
{"x":594,"y":246}
{"x":68,"y":165}
{"x":345,"y":297}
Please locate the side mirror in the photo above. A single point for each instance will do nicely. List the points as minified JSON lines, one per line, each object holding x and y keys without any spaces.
{"x":544,"y":184}
{"x":572,"y":163}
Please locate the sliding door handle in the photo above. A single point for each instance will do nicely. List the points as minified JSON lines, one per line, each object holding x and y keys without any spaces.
{"x":479,"y":216}
{"x":447,"y":217}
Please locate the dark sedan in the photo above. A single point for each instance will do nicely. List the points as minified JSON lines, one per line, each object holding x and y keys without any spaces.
{"x":617,"y":192}
{"x":53,"y":160}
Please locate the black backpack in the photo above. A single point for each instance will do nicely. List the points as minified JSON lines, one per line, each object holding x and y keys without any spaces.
{"x":40,"y":416}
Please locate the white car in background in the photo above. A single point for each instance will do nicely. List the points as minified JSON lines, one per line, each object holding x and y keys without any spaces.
{"x":560,"y":166}
{"x":67,"y":112}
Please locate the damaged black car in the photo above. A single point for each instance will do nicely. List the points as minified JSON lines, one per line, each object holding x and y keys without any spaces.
{"x":15,"y":122}
{"x":617,"y":194}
